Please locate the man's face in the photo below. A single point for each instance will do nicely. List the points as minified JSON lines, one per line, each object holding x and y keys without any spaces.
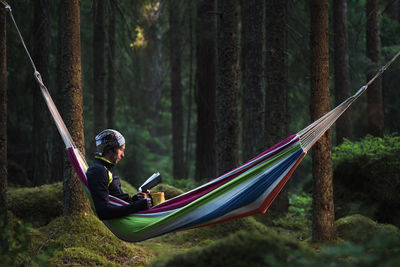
{"x":118,"y":155}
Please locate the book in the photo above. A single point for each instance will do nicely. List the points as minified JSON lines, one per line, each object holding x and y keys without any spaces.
{"x":151,"y":182}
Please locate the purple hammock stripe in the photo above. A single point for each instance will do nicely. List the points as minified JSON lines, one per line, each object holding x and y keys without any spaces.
{"x":75,"y":163}
{"x":185,"y":199}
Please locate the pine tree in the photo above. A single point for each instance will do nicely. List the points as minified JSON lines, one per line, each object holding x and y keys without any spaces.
{"x":227,"y":88}
{"x":206,"y":53}
{"x":252,"y":77}
{"x":323,"y":209}
{"x":374,"y":92}
{"x":3,"y":126}
{"x":74,"y":198}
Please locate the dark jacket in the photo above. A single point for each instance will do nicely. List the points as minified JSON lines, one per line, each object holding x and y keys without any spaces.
{"x":100,"y":188}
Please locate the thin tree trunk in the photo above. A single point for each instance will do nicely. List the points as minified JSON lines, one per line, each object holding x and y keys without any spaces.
{"x":206,"y":53}
{"x":323,"y":208}
{"x":227,"y":89}
{"x":176,"y":89}
{"x":252,"y":97}
{"x":74,"y":198}
{"x":58,"y":148}
{"x":111,"y":55}
{"x":98,"y":66}
{"x":276,"y":73}
{"x":3,"y":128}
{"x":190,"y":94}
{"x":341,"y":68}
{"x":374,"y":92}
{"x":41,"y":115}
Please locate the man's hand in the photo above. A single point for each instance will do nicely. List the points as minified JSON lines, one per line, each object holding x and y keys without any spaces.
{"x":142,"y":195}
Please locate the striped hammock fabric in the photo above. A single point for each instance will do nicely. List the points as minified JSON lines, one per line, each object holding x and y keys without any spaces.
{"x":244,"y":191}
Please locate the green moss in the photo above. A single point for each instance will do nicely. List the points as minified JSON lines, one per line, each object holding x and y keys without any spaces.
{"x":360,"y":229}
{"x":204,"y":234}
{"x":37,"y":204}
{"x":83,"y":240}
{"x":169,"y":191}
{"x":367,"y":178}
{"x":240,"y":249}
{"x":128,"y":188}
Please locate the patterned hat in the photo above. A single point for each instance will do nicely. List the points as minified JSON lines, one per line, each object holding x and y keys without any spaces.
{"x":108,"y":139}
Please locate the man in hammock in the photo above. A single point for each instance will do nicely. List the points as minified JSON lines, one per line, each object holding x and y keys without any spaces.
{"x":110,"y":146}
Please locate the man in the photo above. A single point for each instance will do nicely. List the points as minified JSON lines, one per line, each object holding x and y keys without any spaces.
{"x":110,"y":146}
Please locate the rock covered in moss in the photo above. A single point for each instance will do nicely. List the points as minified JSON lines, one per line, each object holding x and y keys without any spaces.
{"x":40,"y":204}
{"x":240,"y":249}
{"x":213,"y":232}
{"x":360,"y":229}
{"x":169,"y":190}
{"x":367,"y":178}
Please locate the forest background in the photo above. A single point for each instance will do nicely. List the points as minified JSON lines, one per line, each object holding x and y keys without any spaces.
{"x":142,"y":75}
{"x":142,"y":111}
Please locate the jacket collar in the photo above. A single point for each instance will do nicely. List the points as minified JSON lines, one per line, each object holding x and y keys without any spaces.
{"x":103,"y":161}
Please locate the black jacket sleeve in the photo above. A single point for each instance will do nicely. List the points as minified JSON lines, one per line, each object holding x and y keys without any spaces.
{"x":98,"y":186}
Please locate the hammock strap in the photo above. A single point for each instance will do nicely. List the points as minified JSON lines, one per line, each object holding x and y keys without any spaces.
{"x":49,"y":101}
{"x":310,"y":135}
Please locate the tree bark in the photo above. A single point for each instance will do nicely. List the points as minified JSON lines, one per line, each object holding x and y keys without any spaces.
{"x":98,"y":66}
{"x":341,"y":68}
{"x":58,"y":147}
{"x":323,"y":207}
{"x":227,"y":88}
{"x":3,"y":127}
{"x":276,"y":74}
{"x":110,"y":65}
{"x":41,"y":115}
{"x":74,"y":198}
{"x":253,"y":71}
{"x":374,"y":92}
{"x":206,"y":53}
{"x":176,"y":89}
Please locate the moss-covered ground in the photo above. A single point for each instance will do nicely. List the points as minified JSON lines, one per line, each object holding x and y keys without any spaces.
{"x":41,"y":236}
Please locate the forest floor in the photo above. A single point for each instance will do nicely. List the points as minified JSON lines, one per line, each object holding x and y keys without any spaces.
{"x":269,"y":239}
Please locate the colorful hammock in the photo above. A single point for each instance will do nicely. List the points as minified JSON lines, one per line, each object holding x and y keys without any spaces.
{"x":244,"y":191}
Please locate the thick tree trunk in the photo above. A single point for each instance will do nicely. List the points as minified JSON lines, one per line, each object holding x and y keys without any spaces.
{"x":176,"y":89}
{"x":3,"y":127}
{"x":276,"y":73}
{"x":227,"y":88}
{"x":341,"y":68}
{"x":323,"y":208}
{"x":253,"y":72}
{"x":98,"y":66}
{"x":206,"y":52}
{"x":110,"y":65}
{"x":374,"y":92}
{"x":41,"y":115}
{"x":74,"y":198}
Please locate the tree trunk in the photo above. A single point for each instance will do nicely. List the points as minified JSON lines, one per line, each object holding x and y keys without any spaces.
{"x":41,"y":115}
{"x":111,"y":55}
{"x":374,"y":92}
{"x":206,"y":52}
{"x":276,"y":73}
{"x":323,"y":208}
{"x":3,"y":128}
{"x":176,"y":89}
{"x":98,"y":66}
{"x":227,"y":88}
{"x":341,"y":68}
{"x":74,"y":198}
{"x":58,"y":148}
{"x":253,"y":71}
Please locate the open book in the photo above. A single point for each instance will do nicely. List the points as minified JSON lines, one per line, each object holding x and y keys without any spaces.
{"x":153,"y":180}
